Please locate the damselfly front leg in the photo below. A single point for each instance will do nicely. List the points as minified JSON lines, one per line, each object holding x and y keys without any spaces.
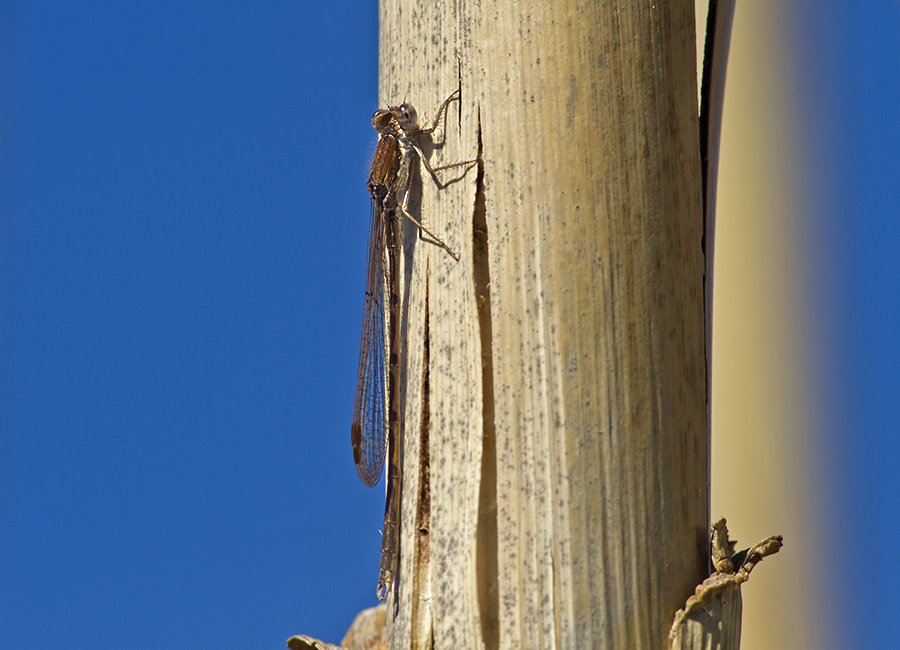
{"x":409,"y":121}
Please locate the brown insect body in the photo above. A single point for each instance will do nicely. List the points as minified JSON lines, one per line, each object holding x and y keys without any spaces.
{"x":376,"y":421}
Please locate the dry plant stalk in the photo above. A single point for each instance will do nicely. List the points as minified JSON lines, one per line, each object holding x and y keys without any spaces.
{"x":554,"y":395}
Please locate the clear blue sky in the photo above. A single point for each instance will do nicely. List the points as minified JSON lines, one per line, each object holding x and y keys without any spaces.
{"x":183,"y":223}
{"x":850,"y":55}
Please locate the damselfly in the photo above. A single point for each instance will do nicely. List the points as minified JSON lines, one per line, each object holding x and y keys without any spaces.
{"x":376,"y":407}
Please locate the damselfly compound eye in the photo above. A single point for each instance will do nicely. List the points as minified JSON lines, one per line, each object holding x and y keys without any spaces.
{"x":408,"y":118}
{"x":381,"y":119}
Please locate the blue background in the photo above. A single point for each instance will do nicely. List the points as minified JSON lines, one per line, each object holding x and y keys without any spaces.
{"x":183,"y":223}
{"x":849,"y":57}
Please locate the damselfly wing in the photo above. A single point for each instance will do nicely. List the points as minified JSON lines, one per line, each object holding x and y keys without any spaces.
{"x":369,"y":428}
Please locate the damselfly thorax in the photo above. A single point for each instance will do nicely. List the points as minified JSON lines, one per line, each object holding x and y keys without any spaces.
{"x":389,"y":180}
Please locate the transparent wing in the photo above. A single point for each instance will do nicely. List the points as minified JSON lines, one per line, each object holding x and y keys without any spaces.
{"x":368,"y":432}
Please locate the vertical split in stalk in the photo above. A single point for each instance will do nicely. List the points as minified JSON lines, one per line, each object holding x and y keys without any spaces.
{"x":486,"y":542}
{"x":421,"y":558}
